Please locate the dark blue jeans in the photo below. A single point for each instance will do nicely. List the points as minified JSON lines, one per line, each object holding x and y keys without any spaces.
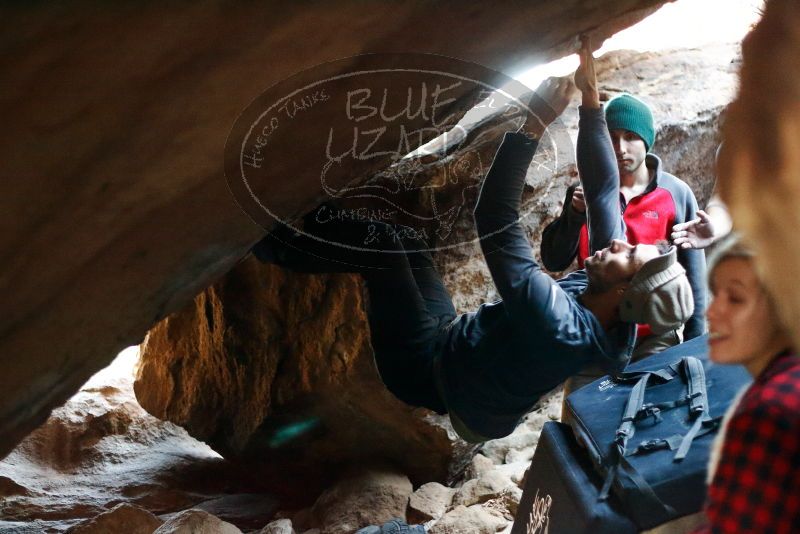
{"x":409,"y":306}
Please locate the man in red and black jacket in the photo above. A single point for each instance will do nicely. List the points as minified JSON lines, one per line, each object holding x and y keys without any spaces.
{"x":651,"y":200}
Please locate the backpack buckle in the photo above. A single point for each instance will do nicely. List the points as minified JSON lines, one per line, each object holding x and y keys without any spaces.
{"x":649,"y":410}
{"x":652,"y":444}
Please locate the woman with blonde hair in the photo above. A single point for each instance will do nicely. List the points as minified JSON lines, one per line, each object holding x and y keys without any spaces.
{"x":755,"y":471}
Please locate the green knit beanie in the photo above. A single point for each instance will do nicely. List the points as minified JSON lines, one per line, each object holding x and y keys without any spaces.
{"x":626,"y":112}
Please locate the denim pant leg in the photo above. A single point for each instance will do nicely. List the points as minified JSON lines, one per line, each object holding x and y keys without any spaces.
{"x":431,"y":286}
{"x":409,"y":306}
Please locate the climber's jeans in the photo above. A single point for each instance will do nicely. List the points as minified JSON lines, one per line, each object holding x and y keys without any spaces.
{"x":409,"y":307}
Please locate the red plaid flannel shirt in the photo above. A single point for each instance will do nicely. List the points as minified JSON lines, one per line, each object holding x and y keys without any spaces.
{"x":756,"y":487}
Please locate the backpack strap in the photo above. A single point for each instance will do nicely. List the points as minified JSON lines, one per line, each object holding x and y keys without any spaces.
{"x":698,"y":403}
{"x":664,"y":375}
{"x":651,"y":504}
{"x":634,"y":405}
{"x":673,"y":442}
{"x":621,"y":467}
{"x":625,"y":431}
{"x":696,"y":383}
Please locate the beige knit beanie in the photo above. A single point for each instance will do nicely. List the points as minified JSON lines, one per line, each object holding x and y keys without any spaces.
{"x":659,"y":295}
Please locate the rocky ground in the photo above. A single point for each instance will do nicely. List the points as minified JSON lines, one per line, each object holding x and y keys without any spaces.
{"x":101,"y":450}
{"x":102,"y":464}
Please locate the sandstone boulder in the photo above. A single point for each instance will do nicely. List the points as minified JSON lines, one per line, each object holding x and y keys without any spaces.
{"x":276,"y":369}
{"x":279,"y":526}
{"x":9,"y":487}
{"x":430,"y":501}
{"x":196,"y":522}
{"x":515,"y":471}
{"x":480,"y":464}
{"x":474,"y":519}
{"x":367,"y":498}
{"x":516,"y":447}
{"x":491,"y":485}
{"x":123,"y":517}
{"x":245,"y":510}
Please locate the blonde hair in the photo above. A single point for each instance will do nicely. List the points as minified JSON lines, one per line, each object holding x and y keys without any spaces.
{"x":730,"y":247}
{"x":759,"y":171}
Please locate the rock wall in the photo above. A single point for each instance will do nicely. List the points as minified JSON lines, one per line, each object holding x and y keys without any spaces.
{"x":115,"y":212}
{"x":100,"y":450}
{"x":276,"y":369}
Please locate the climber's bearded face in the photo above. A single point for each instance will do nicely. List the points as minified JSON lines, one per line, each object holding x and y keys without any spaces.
{"x":616,"y":264}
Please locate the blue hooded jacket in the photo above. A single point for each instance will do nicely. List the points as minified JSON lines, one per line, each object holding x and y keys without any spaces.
{"x":497,"y":362}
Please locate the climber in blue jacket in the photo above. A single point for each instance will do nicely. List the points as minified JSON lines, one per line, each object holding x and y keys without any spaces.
{"x":489,"y":367}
